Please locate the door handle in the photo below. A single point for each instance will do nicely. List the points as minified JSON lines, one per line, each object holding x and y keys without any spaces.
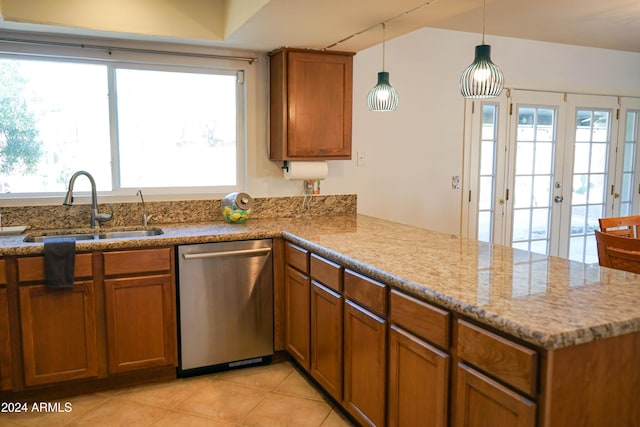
{"x":558,"y":199}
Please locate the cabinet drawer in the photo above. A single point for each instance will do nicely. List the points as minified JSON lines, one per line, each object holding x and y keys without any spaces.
{"x":137,"y":261}
{"x":422,"y":319}
{"x":297,"y":257}
{"x":3,"y":272}
{"x":326,"y":272}
{"x":366,"y":292}
{"x":31,"y":269}
{"x":512,"y":363}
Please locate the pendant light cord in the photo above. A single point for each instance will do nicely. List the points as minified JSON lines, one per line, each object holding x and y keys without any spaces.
{"x":484,"y":21}
{"x":406,"y":12}
{"x":384,"y":26}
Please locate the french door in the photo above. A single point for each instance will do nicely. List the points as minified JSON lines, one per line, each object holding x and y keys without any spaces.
{"x":545,"y":166}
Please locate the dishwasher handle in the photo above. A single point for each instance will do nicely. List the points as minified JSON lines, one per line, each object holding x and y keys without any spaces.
{"x":250,"y":252}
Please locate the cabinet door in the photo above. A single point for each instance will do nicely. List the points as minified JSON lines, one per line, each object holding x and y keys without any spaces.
{"x":326,"y":339}
{"x":141,"y":322}
{"x":311,"y":105}
{"x":58,"y":333}
{"x":418,"y":382}
{"x":482,"y":402}
{"x":364,"y":365}
{"x":5,"y":343}
{"x":297,"y":316}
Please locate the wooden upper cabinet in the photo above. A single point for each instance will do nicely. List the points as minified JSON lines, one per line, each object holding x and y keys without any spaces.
{"x":310,"y":104}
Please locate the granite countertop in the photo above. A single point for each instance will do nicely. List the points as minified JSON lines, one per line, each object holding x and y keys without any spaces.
{"x":546,"y":301}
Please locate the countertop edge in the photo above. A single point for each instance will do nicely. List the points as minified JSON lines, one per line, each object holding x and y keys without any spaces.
{"x":537,"y":338}
{"x":210,"y":233}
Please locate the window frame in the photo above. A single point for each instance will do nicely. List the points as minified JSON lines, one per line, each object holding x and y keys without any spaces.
{"x":143,"y":60}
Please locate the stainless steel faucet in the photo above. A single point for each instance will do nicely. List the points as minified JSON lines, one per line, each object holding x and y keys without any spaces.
{"x":96,"y":217}
{"x":145,"y":218}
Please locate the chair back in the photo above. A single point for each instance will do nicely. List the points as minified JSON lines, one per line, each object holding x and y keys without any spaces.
{"x":622,"y":226}
{"x":615,"y":251}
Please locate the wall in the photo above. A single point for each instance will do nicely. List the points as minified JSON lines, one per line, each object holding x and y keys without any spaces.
{"x":412,"y":153}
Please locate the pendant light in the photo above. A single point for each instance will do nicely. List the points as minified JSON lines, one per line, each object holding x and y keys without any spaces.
{"x":482,"y":79}
{"x":383,"y":97}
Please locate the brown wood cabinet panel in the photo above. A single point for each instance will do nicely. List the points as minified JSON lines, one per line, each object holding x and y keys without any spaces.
{"x":512,"y":363}
{"x":141,"y":322}
{"x":58,"y":333}
{"x":297,"y":316}
{"x":592,"y":384}
{"x":418,"y":382}
{"x":326,"y":272}
{"x":420,"y":318}
{"x":137,"y":261}
{"x":366,"y":292}
{"x":326,"y":338}
{"x":297,"y":257}
{"x":3,"y":272}
{"x":6,"y":381}
{"x":365,"y":364}
{"x":279,"y":264}
{"x":481,"y":402}
{"x":310,"y":104}
{"x":31,"y":269}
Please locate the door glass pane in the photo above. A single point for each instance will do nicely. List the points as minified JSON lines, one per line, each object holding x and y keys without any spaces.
{"x":598,"y":156}
{"x":544,"y":152}
{"x":591,"y":147}
{"x":486,"y":190}
{"x":600,"y":130}
{"x":535,"y":150}
{"x":522,"y":193}
{"x":484,"y":226}
{"x":540,"y":223}
{"x":628,"y":163}
{"x":524,"y":158}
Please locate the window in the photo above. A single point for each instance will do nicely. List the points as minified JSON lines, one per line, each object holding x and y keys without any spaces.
{"x":171,"y":129}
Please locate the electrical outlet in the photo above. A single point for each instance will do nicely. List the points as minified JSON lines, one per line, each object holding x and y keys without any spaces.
{"x":361,"y":158}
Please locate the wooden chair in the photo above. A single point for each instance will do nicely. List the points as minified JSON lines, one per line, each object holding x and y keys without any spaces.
{"x":615,"y":251}
{"x":621,"y":226}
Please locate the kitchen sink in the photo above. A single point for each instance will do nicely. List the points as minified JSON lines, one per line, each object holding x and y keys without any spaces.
{"x":120,"y":234}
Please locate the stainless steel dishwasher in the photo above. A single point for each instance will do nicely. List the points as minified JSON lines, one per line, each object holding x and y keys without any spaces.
{"x":225,"y":301}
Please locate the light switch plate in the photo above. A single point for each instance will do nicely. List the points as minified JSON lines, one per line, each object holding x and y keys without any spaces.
{"x":455,"y":182}
{"x":361,"y":158}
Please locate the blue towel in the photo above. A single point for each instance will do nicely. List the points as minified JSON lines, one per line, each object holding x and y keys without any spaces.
{"x":59,"y":261}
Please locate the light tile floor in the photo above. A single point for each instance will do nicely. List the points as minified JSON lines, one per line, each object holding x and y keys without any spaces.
{"x":267,"y":396}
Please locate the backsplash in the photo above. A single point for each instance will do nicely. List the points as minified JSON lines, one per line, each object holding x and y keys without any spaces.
{"x":175,"y":212}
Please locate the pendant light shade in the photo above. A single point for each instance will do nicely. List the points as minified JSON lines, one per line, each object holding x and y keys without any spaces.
{"x":383,"y":97}
{"x":482,"y":79}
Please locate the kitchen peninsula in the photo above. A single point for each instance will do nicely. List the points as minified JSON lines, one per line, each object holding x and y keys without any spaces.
{"x":556,"y":339}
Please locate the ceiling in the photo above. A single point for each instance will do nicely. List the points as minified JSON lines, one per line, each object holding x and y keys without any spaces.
{"x":264,"y":25}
